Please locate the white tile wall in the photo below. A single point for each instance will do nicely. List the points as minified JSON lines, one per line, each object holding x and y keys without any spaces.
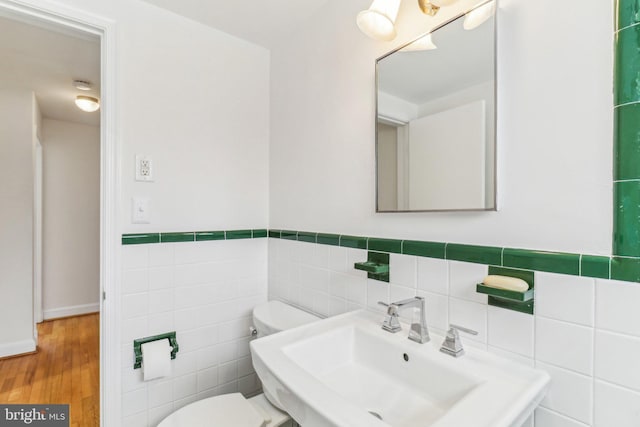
{"x":585,"y":332}
{"x":205,"y":291}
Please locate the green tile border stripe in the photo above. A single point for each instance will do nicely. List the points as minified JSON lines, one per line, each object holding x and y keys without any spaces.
{"x":597,"y":266}
{"x":192,"y":236}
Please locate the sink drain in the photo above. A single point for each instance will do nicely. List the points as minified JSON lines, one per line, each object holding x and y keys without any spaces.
{"x":375,"y":414}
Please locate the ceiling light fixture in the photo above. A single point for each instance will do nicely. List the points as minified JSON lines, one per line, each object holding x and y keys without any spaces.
{"x":423,"y":43}
{"x":378,"y":22}
{"x":82,"y":84}
{"x":479,"y":15}
{"x":87,"y":103}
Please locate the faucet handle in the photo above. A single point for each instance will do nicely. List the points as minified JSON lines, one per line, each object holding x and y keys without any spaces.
{"x":391,"y":322}
{"x":452,"y":344}
{"x":453,"y":327}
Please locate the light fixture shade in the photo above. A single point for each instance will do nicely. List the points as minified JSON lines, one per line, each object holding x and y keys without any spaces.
{"x":87,"y":103}
{"x":479,"y":15}
{"x":423,"y":43}
{"x":441,"y":3}
{"x":378,"y":22}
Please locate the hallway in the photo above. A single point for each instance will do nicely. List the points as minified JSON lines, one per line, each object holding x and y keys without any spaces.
{"x":66,"y":369}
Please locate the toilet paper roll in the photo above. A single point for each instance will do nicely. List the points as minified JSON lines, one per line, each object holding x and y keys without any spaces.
{"x":156,"y":359}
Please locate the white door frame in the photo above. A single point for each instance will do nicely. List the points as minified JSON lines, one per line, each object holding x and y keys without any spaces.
{"x":110,"y":348}
{"x":37,"y":231}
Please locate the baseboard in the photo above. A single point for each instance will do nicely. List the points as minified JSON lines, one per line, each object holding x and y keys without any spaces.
{"x":74,"y":310}
{"x":18,"y":347}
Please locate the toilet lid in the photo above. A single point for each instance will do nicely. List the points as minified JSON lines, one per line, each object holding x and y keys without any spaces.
{"x":219,"y":411}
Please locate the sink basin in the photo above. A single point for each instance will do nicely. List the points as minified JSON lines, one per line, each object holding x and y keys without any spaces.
{"x":346,"y":371}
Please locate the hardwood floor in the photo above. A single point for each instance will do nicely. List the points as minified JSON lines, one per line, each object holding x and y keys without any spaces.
{"x":66,"y":369}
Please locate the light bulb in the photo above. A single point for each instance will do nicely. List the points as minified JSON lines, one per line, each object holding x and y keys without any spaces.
{"x":87,"y":103}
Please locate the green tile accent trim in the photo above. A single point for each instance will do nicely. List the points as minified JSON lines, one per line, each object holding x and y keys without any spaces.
{"x":595,"y":266}
{"x":477,"y":254}
{"x":627,"y":66}
{"x":554,"y":262}
{"x":274,"y":234}
{"x":305,"y":236}
{"x":238,"y":234}
{"x":385,"y":245}
{"x":260,"y":233}
{"x":626,"y":218}
{"x":425,"y":249}
{"x":177,"y":237}
{"x":328,"y":239}
{"x":627,"y":269}
{"x":139,"y":239}
{"x":289,"y":235}
{"x":209,"y":235}
{"x":627,"y":142}
{"x":511,"y":260}
{"x":353,"y":242}
{"x":628,"y":13}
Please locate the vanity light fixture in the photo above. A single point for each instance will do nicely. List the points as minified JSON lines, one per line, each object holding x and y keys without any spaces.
{"x":423,"y":43}
{"x":378,"y":22}
{"x":431,"y":7}
{"x":479,"y":15}
{"x":87,"y":103}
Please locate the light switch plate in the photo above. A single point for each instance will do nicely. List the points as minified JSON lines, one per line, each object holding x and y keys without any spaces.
{"x":144,"y":168}
{"x":141,"y":210}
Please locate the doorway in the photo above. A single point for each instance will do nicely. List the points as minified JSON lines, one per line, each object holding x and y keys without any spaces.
{"x":62,"y":21}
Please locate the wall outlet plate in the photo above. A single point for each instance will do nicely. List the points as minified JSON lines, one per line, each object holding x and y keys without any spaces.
{"x":144,"y":168}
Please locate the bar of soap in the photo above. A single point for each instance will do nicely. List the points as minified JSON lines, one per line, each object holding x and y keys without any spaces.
{"x":506,"y":282}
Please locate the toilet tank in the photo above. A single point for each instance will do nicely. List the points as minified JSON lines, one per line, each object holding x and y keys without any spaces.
{"x":276,"y":316}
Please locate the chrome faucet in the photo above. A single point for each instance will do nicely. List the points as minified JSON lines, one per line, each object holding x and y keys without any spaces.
{"x":418,"y":331}
{"x":452,"y":344}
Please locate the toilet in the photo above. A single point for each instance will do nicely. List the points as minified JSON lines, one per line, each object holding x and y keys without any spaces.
{"x":234,"y":409}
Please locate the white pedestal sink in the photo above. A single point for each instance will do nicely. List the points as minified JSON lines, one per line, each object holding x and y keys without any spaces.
{"x":346,"y":371}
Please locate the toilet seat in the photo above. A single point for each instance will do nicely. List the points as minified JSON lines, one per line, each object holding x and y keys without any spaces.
{"x":224,"y":410}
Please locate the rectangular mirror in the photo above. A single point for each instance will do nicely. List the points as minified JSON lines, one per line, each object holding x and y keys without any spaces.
{"x":436,"y":119}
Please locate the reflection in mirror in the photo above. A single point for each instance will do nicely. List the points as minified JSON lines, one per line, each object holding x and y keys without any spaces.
{"x":436,"y":119}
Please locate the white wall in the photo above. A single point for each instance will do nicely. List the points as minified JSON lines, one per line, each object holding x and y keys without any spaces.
{"x":554,"y":130}
{"x":71,"y":220}
{"x":16,"y":221}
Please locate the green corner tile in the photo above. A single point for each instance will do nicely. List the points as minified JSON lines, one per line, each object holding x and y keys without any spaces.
{"x":385,"y":245}
{"x":628,"y":13}
{"x":238,"y":234}
{"x":305,"y":236}
{"x":477,"y":254}
{"x":259,"y":233}
{"x":202,"y":236}
{"x":627,"y":66}
{"x":356,"y":242}
{"x":289,"y":235}
{"x":626,"y":218}
{"x":424,"y":249}
{"x":627,"y":142}
{"x":328,"y":239}
{"x":189,"y":236}
{"x":553,"y":262}
{"x":627,"y":269}
{"x":595,"y":266}
{"x":274,"y":234}
{"x":140,"y":239}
